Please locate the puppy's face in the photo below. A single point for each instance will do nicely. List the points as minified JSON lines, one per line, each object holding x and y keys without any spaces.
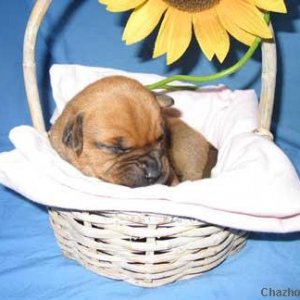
{"x":114,"y":130}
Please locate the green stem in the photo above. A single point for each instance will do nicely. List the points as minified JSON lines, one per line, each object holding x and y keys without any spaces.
{"x":200,"y":79}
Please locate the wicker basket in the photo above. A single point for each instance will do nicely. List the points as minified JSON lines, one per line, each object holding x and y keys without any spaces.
{"x":141,"y":248}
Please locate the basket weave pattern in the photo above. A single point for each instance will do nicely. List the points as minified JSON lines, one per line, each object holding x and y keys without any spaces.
{"x":144,"y":249}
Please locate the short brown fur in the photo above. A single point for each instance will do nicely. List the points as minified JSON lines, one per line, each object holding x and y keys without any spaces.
{"x":116,"y":130}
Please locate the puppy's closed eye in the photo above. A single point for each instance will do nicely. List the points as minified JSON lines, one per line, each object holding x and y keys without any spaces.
{"x":112,"y":149}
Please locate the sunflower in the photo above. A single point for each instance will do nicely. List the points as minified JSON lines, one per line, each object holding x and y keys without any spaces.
{"x":212,"y":21}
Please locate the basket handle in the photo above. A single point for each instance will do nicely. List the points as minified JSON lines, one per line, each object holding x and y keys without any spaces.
{"x":268,"y":78}
{"x":268,"y":83}
{"x":29,"y":68}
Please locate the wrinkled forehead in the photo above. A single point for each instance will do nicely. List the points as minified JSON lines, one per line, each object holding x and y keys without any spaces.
{"x":131,"y":120}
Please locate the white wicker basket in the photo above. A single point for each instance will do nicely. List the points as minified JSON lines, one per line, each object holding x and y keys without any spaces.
{"x":142,"y":248}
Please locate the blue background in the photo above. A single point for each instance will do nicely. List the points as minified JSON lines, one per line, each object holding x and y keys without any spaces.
{"x":31,"y":265}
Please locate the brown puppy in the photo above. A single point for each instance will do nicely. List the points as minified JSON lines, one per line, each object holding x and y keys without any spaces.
{"x":116,"y":130}
{"x":191,"y":155}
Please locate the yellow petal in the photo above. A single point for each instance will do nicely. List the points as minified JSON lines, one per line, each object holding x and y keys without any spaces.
{"x":121,"y":5}
{"x":271,"y":5}
{"x":143,"y":20}
{"x":246,"y":16}
{"x":179,"y":36}
{"x":161,"y":42}
{"x":238,"y":33}
{"x":210,"y":34}
{"x":174,"y":35}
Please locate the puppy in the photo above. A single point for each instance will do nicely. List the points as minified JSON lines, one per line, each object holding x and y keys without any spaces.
{"x":191,"y":155}
{"x":118,"y":131}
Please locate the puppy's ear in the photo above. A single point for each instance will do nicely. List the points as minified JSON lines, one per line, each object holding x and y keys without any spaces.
{"x":72,"y":135}
{"x":163,"y":99}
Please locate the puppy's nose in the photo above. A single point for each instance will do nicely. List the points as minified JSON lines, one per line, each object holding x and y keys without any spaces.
{"x":152,"y":171}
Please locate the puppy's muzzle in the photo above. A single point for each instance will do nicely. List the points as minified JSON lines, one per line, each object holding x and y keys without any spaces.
{"x":152,"y":170}
{"x":154,"y":167}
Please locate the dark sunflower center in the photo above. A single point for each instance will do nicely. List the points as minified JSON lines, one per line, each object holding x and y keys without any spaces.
{"x":192,"y":5}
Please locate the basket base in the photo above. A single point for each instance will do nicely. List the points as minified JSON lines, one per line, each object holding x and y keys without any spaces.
{"x":144,"y":249}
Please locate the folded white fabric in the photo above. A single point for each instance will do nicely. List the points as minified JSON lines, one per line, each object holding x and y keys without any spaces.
{"x":253,"y":186}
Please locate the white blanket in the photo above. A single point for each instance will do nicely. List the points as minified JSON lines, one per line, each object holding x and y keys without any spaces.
{"x":253,"y":186}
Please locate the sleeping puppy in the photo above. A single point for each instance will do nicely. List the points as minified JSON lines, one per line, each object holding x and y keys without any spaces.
{"x":118,"y":131}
